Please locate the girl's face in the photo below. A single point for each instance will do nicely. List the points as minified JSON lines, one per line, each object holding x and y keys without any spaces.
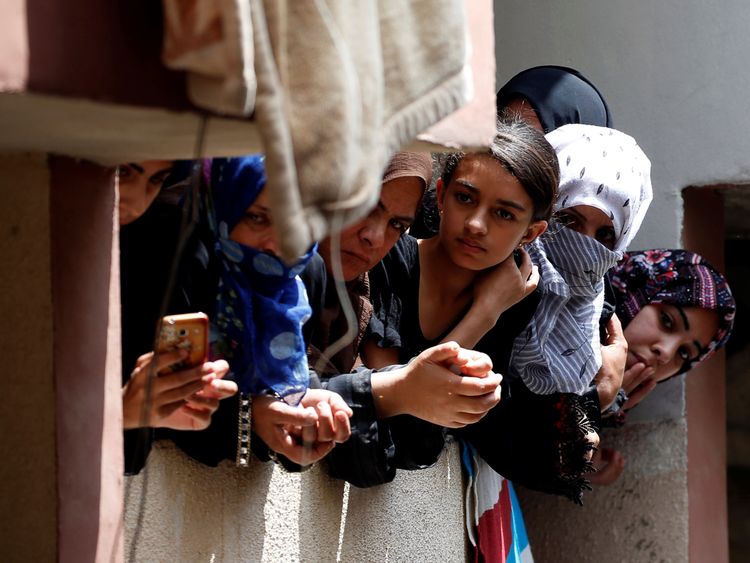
{"x":255,"y":229}
{"x":591,"y":222}
{"x":486,"y":214}
{"x":665,"y":336}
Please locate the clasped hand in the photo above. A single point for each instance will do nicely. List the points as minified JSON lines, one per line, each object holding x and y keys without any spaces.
{"x":304,"y":433}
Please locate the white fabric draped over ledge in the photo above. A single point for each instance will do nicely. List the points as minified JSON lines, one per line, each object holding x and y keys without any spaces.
{"x":334,"y":87}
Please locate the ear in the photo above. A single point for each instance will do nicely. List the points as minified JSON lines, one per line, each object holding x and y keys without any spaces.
{"x":535,"y":230}
{"x":440,"y":192}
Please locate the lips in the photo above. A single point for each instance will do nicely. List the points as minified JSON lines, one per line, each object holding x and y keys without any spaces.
{"x":357,"y":257}
{"x":640,"y":359}
{"x":470,"y":245}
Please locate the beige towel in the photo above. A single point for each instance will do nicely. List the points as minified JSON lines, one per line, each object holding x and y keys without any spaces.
{"x":213,"y":41}
{"x":341,"y":85}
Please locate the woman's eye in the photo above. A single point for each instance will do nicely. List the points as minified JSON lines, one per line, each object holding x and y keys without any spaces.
{"x":463,"y":197}
{"x":505,"y":214}
{"x":666,"y":321}
{"x":398,"y":225}
{"x":257,"y":218}
{"x":684,"y":354}
{"x":606,"y":236}
{"x":158,"y":179}
{"x":124,"y":172}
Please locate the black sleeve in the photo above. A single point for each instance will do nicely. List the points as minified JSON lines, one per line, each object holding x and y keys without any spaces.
{"x":314,"y":277}
{"x":367,"y":457}
{"x":217,"y":442}
{"x":608,"y":309}
{"x":136,"y":447}
{"x":146,"y":249}
{"x":377,"y":447}
{"x":390,"y":282}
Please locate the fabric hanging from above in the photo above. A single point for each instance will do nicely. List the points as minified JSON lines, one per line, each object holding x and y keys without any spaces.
{"x":332,"y":104}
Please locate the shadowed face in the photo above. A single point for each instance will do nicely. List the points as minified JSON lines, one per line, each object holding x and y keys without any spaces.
{"x":255,"y":229}
{"x":139,"y":184}
{"x":365,"y":243}
{"x":665,"y":336}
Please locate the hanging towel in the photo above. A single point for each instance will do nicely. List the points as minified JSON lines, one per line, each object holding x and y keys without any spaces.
{"x":336,"y":88}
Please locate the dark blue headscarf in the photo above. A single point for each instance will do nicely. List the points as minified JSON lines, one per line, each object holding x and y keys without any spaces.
{"x":261,"y":302}
{"x":559,"y":95}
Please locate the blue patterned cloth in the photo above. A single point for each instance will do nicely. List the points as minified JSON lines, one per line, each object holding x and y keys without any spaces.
{"x":261,"y":302}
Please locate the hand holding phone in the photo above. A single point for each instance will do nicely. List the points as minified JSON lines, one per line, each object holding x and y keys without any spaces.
{"x":185,"y":332}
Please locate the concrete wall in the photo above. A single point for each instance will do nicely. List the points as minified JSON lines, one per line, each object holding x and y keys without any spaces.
{"x":673,"y":74}
{"x":192,"y":513}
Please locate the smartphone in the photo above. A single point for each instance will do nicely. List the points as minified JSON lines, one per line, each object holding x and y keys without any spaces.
{"x":189,"y":332}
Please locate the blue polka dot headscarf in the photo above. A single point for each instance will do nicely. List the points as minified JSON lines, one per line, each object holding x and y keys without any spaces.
{"x":261,"y":302}
{"x":676,"y":277}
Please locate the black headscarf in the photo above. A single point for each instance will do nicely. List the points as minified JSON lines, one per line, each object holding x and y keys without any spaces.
{"x":559,"y":95}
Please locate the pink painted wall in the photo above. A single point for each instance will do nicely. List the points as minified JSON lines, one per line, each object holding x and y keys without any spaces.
{"x":86,"y":319}
{"x":705,"y":394}
{"x":28,"y":481}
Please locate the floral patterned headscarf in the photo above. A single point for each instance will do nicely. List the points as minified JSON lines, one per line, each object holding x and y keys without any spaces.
{"x":675,"y":277}
{"x":261,"y":303}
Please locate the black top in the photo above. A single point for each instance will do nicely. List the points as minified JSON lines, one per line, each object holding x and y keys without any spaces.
{"x":395,"y":295}
{"x":365,"y":459}
{"x":146,"y":249}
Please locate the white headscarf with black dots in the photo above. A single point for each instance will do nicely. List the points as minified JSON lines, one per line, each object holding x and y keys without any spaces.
{"x":605,"y":169}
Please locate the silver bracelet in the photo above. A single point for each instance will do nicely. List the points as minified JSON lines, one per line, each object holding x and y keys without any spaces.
{"x":243,"y":431}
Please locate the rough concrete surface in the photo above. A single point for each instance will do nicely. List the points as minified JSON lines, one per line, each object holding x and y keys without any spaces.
{"x":643,"y":517}
{"x":193,"y":513}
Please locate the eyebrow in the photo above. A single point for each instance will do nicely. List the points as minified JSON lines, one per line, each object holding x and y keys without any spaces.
{"x":575,"y":213}
{"x":685,"y":320}
{"x":404,"y":218}
{"x":507,"y":202}
{"x":259,"y":207}
{"x":138,"y":167}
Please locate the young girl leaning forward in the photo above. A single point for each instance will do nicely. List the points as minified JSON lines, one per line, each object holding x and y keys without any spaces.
{"x":456,"y":285}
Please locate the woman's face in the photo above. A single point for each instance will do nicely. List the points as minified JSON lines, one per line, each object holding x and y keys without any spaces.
{"x":665,"y":336}
{"x":255,"y":229}
{"x":365,"y":243}
{"x":486,"y":214}
{"x":591,"y":222}
{"x":139,"y":184}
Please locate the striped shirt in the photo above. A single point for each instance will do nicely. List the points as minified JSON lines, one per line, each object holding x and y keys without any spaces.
{"x":559,"y":351}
